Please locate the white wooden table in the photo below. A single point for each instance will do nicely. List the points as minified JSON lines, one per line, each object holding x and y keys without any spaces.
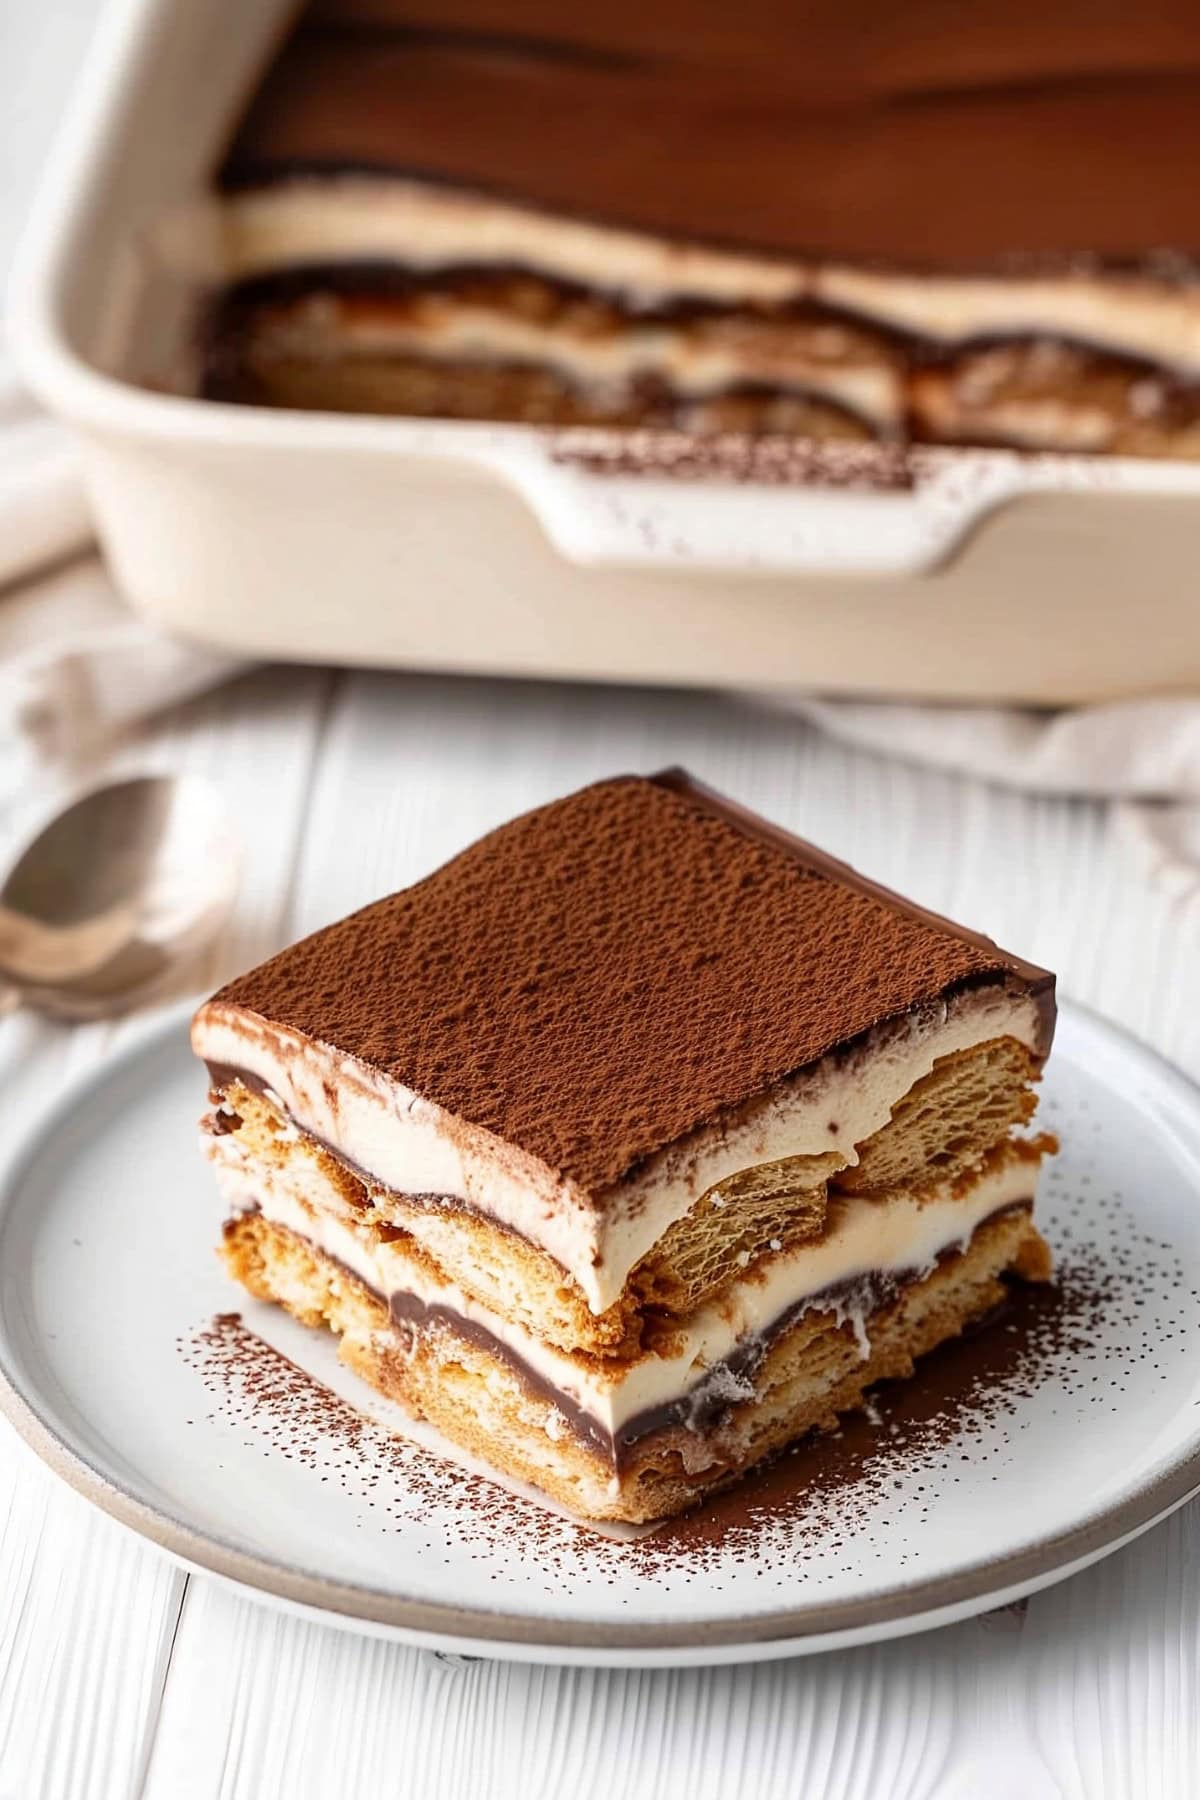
{"x":122,"y":1677}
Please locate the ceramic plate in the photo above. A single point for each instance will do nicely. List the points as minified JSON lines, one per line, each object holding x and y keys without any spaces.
{"x":1041,"y":1444}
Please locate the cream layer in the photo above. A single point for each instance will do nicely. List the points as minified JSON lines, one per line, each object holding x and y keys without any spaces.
{"x":901,"y":1238}
{"x":349,"y":218}
{"x":411,"y":1145}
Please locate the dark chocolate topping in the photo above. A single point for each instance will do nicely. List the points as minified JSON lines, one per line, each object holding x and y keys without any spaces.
{"x":608,"y":973}
{"x":930,"y":134}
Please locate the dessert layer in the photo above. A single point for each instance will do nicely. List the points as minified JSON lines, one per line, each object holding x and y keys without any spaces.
{"x":243,"y":365}
{"x":917,"y":134}
{"x":945,"y":1126}
{"x":407,"y":1144}
{"x":340,"y":348}
{"x":868,"y":1249}
{"x":812,"y":1372}
{"x":409,"y":232}
{"x":579,"y":370}
{"x":555,"y":1026}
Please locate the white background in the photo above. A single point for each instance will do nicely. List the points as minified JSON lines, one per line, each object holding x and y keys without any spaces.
{"x":121,"y":1677}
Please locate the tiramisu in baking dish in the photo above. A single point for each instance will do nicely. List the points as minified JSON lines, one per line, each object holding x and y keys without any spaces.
{"x":635,"y":1143}
{"x":864,"y":222}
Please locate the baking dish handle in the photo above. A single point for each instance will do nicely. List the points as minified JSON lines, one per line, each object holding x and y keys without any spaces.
{"x":650,"y":500}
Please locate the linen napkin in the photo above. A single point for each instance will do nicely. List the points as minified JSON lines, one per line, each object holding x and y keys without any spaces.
{"x":76,"y":667}
{"x":1144,"y":755}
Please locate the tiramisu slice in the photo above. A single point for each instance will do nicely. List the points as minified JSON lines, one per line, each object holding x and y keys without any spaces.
{"x":848,"y":220}
{"x":634,"y":1143}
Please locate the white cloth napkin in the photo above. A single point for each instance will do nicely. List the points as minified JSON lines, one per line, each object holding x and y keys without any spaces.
{"x":1142,"y":754}
{"x":1130,"y":749}
{"x":76,"y":667}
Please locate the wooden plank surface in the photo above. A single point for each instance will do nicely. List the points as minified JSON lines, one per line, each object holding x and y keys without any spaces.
{"x":87,"y":1615}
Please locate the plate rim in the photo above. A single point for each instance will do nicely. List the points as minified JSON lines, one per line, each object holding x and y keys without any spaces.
{"x":792,"y":1630}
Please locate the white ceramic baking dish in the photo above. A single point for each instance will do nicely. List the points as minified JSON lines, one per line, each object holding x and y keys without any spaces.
{"x":472,"y":547}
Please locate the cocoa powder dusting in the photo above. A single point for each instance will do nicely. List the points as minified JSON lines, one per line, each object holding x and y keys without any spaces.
{"x":608,"y":973}
{"x":773,"y":461}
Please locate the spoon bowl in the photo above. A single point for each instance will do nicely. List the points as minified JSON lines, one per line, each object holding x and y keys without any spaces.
{"x":113,"y":893}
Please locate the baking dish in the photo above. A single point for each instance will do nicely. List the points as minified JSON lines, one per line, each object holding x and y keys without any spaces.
{"x":513,"y":549}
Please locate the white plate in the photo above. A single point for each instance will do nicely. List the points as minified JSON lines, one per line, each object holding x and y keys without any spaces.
{"x":110,"y":1368}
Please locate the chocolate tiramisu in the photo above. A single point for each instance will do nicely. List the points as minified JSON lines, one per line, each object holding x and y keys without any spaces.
{"x":634,"y":1143}
{"x":845,"y":221}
